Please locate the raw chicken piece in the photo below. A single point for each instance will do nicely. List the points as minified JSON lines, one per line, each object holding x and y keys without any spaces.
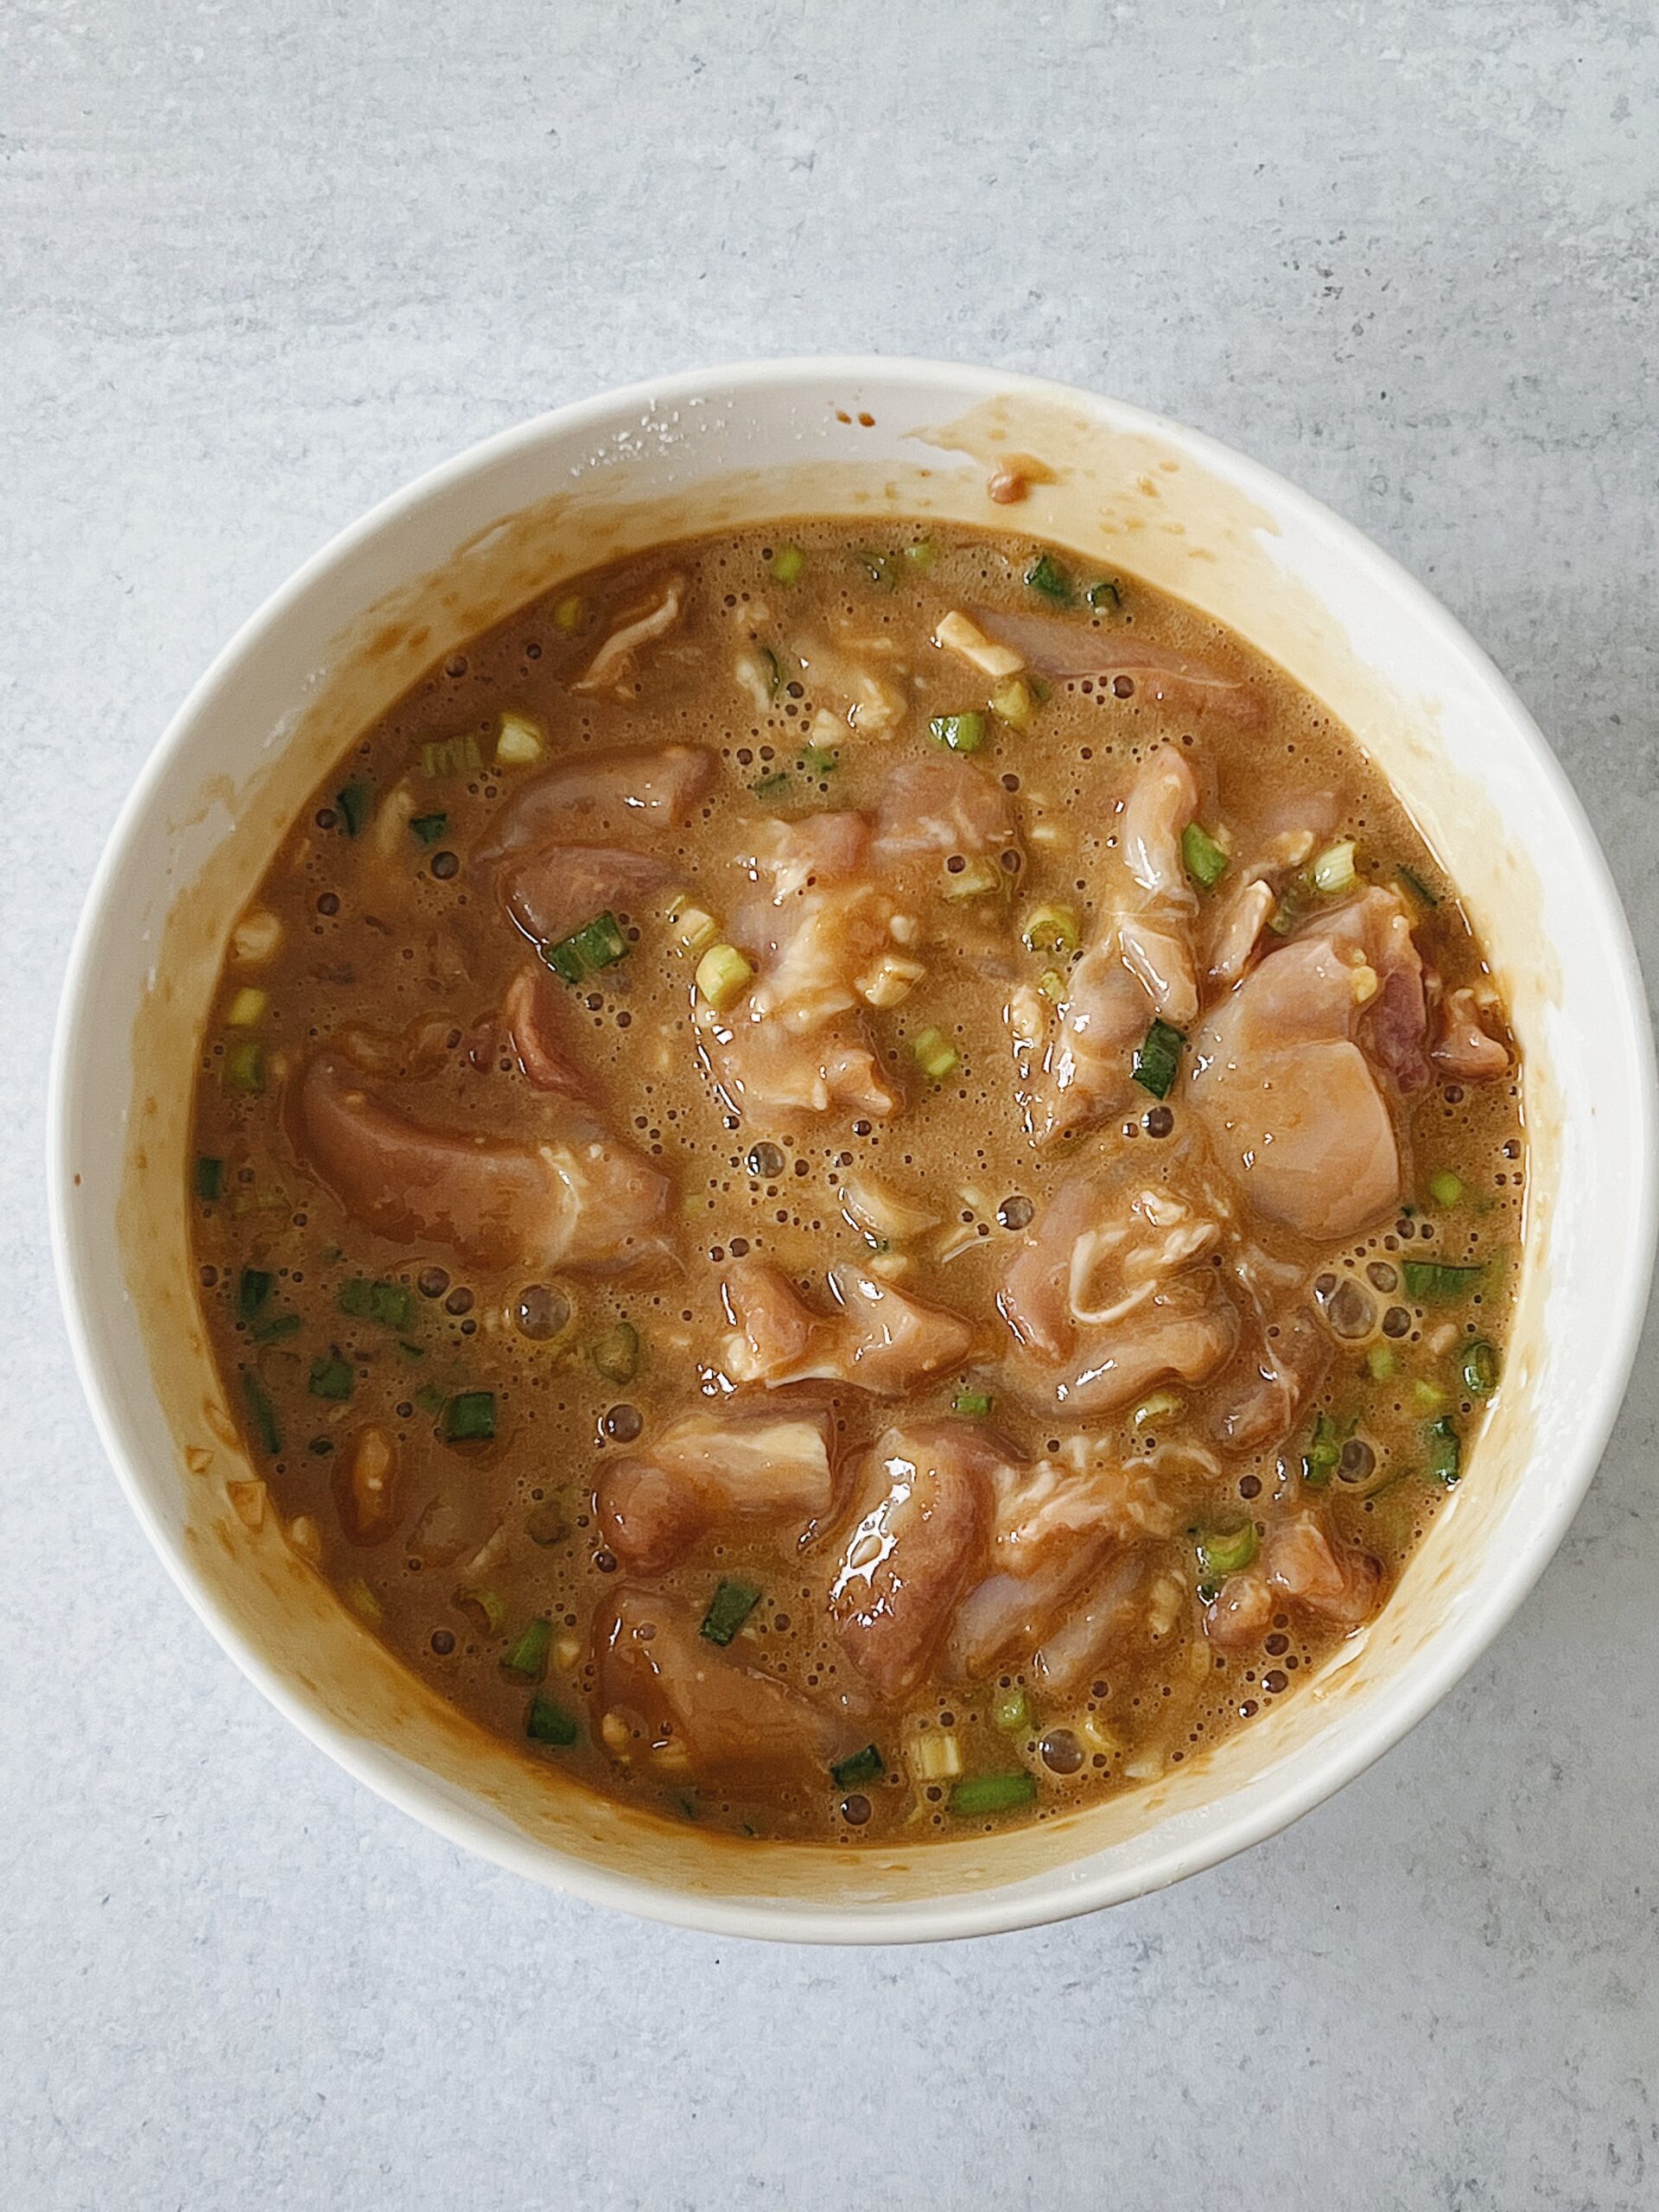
{"x":536,"y":1015}
{"x":1285,"y":1071}
{"x":935,"y":807}
{"x":1292,"y":1353}
{"x":1073,"y":1067}
{"x":1463,"y":1048}
{"x":689,"y":1706}
{"x":1303,"y":1564}
{"x":842,"y":677}
{"x":1111,"y":1291}
{"x":1062,"y":649}
{"x":706,"y":1471}
{"x":591,"y":1204}
{"x":557,"y":888}
{"x":928,"y":1504}
{"x":1095,"y":1627}
{"x":638,"y":791}
{"x":612,"y":666}
{"x":879,"y":1340}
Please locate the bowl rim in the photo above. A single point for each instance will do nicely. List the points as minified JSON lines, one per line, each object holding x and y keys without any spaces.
{"x":1306,"y":1778}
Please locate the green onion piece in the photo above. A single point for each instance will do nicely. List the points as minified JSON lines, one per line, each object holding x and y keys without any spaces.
{"x":722,"y":976}
{"x":616,"y":1354}
{"x":596,"y":945}
{"x":210,"y":1178}
{"x":1332,"y":872}
{"x":1046,"y":576}
{"x":1428,"y":1397}
{"x":1051,"y":929}
{"x":569,"y":614}
{"x":1051,"y":984}
{"x":1480,"y":1367}
{"x":774,"y":671}
{"x":1202,"y":857}
{"x":429,"y":1399}
{"x":353,"y":803}
{"x":936,"y":1058}
{"x":253,"y":1287}
{"x":546,"y":1523}
{"x":920,"y":554}
{"x":972,"y":1405}
{"x":274,"y":1327}
{"x":410,"y":1350}
{"x":469,"y":1417}
{"x":1432,"y":1279}
{"x":1014,"y":703}
{"x":245,"y":1067}
{"x":362,"y":1600}
{"x":1324,"y":1450}
{"x":1011,"y":1710}
{"x":1446,"y":1188}
{"x":1161,"y":1405}
{"x":819,"y":759}
{"x":1445,"y":1451}
{"x":972,"y":880}
{"x":788,"y":564}
{"x":525,"y":1660}
{"x":1383,"y":1362}
{"x":450,"y":756}
{"x":1415,"y":883}
{"x":1156,"y":1058}
{"x":1228,"y":1554}
{"x":862,"y":1766}
{"x":880,"y":568}
{"x":1105,"y":593}
{"x":331,"y":1377}
{"x":428,"y":828}
{"x":729,"y":1607}
{"x":486,"y":1609}
{"x":266,"y":1424}
{"x":991,"y":1793}
{"x":772,"y":786}
{"x":547,"y":1722}
{"x":390,"y":1303}
{"x":961,"y":733}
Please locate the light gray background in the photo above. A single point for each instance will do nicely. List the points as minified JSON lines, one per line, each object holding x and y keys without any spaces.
{"x":262,"y":262}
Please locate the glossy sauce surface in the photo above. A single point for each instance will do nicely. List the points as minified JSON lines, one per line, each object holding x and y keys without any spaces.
{"x":1030,"y":1357}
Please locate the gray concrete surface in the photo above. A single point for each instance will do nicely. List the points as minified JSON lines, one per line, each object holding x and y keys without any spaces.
{"x":262,"y":264}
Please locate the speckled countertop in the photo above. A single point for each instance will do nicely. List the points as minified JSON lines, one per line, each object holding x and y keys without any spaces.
{"x":262,"y":265}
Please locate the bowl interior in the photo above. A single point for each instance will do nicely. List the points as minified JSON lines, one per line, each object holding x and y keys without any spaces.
{"x":457,"y":553}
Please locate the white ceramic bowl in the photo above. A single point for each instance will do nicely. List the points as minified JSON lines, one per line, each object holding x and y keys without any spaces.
{"x":462,"y":548}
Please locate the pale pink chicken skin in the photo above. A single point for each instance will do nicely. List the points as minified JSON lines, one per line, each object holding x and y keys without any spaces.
{"x":876,"y":1338}
{"x":536,"y":1018}
{"x":632,"y":794}
{"x":1287,"y":1071}
{"x":710,"y":1469}
{"x":1463,"y":1048}
{"x":1062,"y":648}
{"x":928,"y":1504}
{"x":578,"y":1202}
{"x":937,"y":806}
{"x":1303,"y":1564}
{"x":553,"y":892}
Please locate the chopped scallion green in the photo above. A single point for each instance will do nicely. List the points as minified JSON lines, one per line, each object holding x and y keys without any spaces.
{"x":210,"y":1178}
{"x":253,"y":1287}
{"x":862,"y":1766}
{"x":616,"y":1354}
{"x":569,"y":614}
{"x":1051,"y":929}
{"x":920,"y":554}
{"x":1428,"y":1397}
{"x":1220,"y":1555}
{"x":267,"y":1427}
{"x":1445,"y":1451}
{"x":271,"y":1328}
{"x":973,"y":879}
{"x":547,"y":1722}
{"x":1382,"y":1362}
{"x":1047,"y":577}
{"x":819,"y":759}
{"x":391,"y":1304}
{"x":972,"y":1405}
{"x":1105,"y":595}
{"x":469,"y":1417}
{"x":1324,"y":1450}
{"x":245,"y":1067}
{"x":525,"y":1659}
{"x":882,"y":568}
{"x":486,"y":1609}
{"x":1011,"y":1711}
{"x":772,"y":786}
{"x":1014,"y":703}
{"x":991,"y":1793}
{"x":428,"y":828}
{"x":935,"y":1057}
{"x":960,"y":733}
{"x":788,"y":564}
{"x":1480,"y":1367}
{"x":723,"y":974}
{"x":352,"y":800}
{"x":1332,"y":872}
{"x":729,"y":1607}
{"x":450,"y":756}
{"x":1156,"y":1058}
{"x":1415,"y":883}
{"x":1202,"y":857}
{"x":1433,"y":1281}
{"x":331,"y":1377}
{"x":596,"y":945}
{"x":1446,"y":1188}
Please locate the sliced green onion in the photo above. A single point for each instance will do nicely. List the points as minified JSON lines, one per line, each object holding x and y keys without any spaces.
{"x":410,"y":1350}
{"x":1156,"y":1058}
{"x":1051,"y":984}
{"x":266,"y":1424}
{"x":774,"y":671}
{"x":569,"y":614}
{"x":1428,"y":1397}
{"x":353,"y":803}
{"x":1011,"y":1711}
{"x":1382,"y":1362}
{"x":972,"y":880}
{"x":920,"y":554}
{"x":616,"y":1354}
{"x":245,"y":1067}
{"x":1230,"y":1554}
{"x":1332,"y":872}
{"x":972,"y":1405}
{"x":247,"y":1008}
{"x":1445,"y":1451}
{"x":525,"y":1659}
{"x":209,"y":1178}
{"x":1446,"y":1188}
{"x":596,"y":945}
{"x":772,"y":785}
{"x":934,"y":1056}
{"x":862,"y":1766}
{"x":362,"y":1600}
{"x":469,"y":1417}
{"x":729,"y":1607}
{"x":391,"y":1304}
{"x":1202,"y":857}
{"x":960,"y":733}
{"x":1415,"y":883}
{"x":819,"y":759}
{"x":274,"y":1327}
{"x":1105,"y":592}
{"x":1014,"y":703}
{"x":429,"y":1399}
{"x":1324,"y":1450}
{"x":880,"y":568}
{"x":547,"y":1722}
{"x":991,"y":1793}
{"x":1046,"y":576}
{"x":1161,"y":1405}
{"x":518,"y":742}
{"x":1051,"y":929}
{"x":486,"y":1609}
{"x":450,"y":756}
{"x":1433,"y":1279}
{"x":428,"y":828}
{"x":253,"y":1287}
{"x":331,"y":1377}
{"x":1480,"y":1367}
{"x":723,"y":974}
{"x":788,"y":564}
